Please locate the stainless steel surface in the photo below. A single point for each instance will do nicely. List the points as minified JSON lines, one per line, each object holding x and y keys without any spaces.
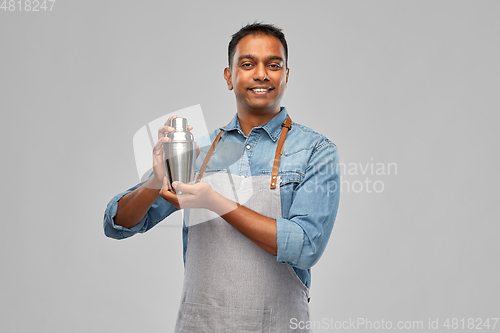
{"x":180,"y":153}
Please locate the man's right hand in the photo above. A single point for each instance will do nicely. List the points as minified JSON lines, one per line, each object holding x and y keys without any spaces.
{"x":133,"y":206}
{"x":158,"y":154}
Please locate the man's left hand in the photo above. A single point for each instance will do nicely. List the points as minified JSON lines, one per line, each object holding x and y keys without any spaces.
{"x":199,"y":195}
{"x":258,"y":228}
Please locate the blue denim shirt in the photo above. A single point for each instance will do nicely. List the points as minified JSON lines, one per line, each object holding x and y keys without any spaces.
{"x":309,"y":188}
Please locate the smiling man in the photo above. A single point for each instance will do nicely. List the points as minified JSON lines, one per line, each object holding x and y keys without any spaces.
{"x":258,"y":74}
{"x":247,"y":264}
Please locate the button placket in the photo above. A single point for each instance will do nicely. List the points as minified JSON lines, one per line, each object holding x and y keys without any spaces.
{"x":250,"y":143}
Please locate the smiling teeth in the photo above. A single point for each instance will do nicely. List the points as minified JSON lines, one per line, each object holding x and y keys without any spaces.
{"x":260,"y":89}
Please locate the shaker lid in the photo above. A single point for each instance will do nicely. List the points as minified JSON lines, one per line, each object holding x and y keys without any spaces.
{"x":180,"y":124}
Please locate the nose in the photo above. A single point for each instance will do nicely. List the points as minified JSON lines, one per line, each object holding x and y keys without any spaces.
{"x":260,"y":73}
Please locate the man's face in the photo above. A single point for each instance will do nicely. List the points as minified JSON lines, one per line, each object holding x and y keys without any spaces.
{"x":258,"y":74}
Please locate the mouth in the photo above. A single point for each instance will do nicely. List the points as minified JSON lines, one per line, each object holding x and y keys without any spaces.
{"x":261,"y":90}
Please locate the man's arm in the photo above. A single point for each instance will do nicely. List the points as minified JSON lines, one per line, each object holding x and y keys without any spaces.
{"x":140,"y":208}
{"x":155,"y":212}
{"x":258,"y":228}
{"x":133,"y":206}
{"x":303,"y":234}
{"x":299,"y":239}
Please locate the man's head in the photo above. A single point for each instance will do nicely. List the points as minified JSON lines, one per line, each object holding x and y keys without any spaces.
{"x":257,"y":73}
{"x":256,"y":29}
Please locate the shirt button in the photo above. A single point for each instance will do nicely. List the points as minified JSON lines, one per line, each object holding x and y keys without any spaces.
{"x":248,"y":147}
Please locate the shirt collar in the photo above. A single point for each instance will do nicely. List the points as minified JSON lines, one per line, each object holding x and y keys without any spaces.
{"x":272,"y":127}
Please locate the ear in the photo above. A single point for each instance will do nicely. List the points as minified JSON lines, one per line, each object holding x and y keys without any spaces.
{"x":228,"y":78}
{"x":287,"y":71}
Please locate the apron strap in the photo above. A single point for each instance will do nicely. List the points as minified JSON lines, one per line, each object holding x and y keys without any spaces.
{"x":279,"y":149}
{"x":207,"y":157}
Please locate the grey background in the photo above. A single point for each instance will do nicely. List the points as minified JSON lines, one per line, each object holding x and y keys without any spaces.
{"x":409,"y":82}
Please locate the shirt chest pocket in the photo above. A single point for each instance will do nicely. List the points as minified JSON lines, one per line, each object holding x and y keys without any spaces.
{"x":288,"y":179}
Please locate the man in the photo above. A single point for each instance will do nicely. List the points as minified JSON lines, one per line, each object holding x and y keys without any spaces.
{"x":247,"y":264}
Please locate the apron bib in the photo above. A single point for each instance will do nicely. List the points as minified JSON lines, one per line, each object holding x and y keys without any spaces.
{"x":230,"y":283}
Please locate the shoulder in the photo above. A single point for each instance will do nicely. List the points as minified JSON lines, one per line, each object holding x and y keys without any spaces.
{"x":301,"y":137}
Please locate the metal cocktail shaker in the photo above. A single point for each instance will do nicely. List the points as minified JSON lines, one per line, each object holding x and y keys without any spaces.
{"x":180,"y":153}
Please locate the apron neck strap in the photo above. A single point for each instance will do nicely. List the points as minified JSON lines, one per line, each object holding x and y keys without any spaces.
{"x":207,"y":157}
{"x":279,"y":149}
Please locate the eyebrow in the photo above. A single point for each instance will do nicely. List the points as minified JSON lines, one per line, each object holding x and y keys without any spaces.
{"x":249,"y":56}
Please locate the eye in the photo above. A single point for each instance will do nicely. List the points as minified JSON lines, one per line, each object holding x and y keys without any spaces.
{"x":275,"y":66}
{"x":246,"y":64}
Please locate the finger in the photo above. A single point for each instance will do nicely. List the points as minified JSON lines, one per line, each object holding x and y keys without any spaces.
{"x":166,"y":184}
{"x":184,"y":188}
{"x":158,"y":149}
{"x":169,"y":120}
{"x":162,"y":131}
{"x":170,"y":197}
{"x":190,"y":128}
{"x":197,"y":150}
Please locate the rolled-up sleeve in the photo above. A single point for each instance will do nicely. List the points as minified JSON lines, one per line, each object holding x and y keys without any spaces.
{"x":303,"y":235}
{"x":158,"y":211}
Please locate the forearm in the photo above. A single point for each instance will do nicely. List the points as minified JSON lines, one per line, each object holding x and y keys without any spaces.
{"x":258,"y":228}
{"x":134,"y":205}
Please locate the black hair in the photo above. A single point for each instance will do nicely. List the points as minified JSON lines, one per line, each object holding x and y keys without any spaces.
{"x":256,"y":28}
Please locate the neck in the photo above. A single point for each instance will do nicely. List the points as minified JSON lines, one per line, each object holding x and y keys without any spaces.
{"x":249,"y":120}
